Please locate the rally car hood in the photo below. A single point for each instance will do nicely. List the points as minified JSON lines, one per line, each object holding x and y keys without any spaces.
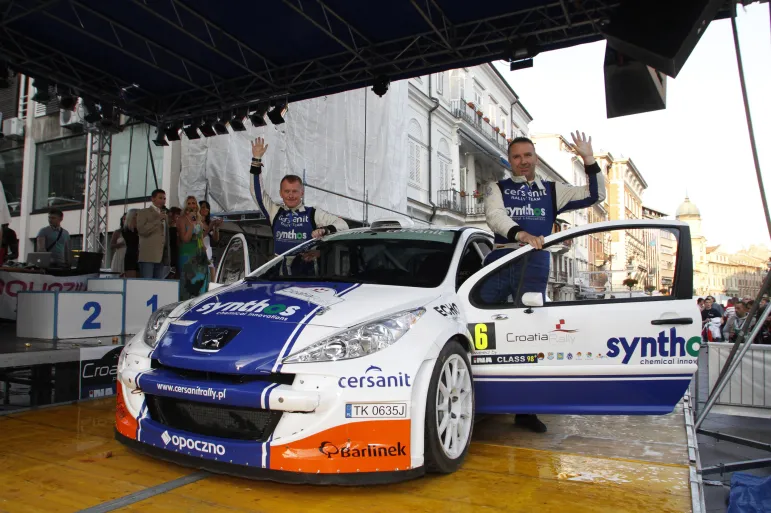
{"x":266,"y":321}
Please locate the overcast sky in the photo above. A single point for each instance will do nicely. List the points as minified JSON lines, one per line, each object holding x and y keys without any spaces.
{"x":699,"y":142}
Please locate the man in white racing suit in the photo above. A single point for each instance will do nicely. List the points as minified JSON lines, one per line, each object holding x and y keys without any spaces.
{"x":522,"y":209}
{"x":292,"y":223}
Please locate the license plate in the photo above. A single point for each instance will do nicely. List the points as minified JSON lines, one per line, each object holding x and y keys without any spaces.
{"x":376,"y":411}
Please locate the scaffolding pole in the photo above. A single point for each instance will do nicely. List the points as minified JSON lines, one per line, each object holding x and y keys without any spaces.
{"x":98,"y":191}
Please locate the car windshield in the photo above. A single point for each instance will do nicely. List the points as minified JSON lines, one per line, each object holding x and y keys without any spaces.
{"x":409,"y":258}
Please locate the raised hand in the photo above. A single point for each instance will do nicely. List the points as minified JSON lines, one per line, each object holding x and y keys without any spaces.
{"x":259,"y":148}
{"x":582,"y":145}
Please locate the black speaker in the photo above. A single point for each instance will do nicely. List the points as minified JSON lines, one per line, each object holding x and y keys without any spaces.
{"x":660,"y":33}
{"x":631,"y":87}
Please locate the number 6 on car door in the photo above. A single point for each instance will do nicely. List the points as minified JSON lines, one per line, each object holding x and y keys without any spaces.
{"x":483,"y":335}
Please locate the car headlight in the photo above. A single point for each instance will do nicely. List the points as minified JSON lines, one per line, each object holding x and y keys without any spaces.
{"x":156,"y":321}
{"x":359,"y":341}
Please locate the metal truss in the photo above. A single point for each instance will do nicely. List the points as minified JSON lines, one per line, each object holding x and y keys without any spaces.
{"x":442,"y":46}
{"x":97,"y":192}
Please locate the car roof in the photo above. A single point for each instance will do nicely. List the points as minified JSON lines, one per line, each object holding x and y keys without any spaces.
{"x":420,"y":229}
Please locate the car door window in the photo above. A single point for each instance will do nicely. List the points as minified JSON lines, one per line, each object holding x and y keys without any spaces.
{"x":634,"y":264}
{"x":472,"y":260}
{"x":232,"y":266}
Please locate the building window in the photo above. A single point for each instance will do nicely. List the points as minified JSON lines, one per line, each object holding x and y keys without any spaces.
{"x":137,"y":182}
{"x":60,"y":173}
{"x":444,"y":175}
{"x":414,"y":162}
{"x":415,"y":139}
{"x":440,"y":83}
{"x":10,"y":175}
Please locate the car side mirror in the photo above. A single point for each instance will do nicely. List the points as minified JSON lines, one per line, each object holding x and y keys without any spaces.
{"x":532,"y":299}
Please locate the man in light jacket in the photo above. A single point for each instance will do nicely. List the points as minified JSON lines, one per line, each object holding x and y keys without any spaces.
{"x":153,"y":229}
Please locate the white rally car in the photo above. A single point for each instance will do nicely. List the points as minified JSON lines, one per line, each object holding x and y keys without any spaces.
{"x":364,"y":356}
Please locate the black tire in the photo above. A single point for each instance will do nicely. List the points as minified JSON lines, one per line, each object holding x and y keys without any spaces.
{"x":436,"y":459}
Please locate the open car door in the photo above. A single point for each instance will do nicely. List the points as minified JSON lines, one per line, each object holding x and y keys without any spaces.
{"x":234,"y":264}
{"x":619,"y":332}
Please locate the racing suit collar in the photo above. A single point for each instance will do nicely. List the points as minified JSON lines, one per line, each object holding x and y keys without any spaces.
{"x":299,"y":208}
{"x":522,"y":179}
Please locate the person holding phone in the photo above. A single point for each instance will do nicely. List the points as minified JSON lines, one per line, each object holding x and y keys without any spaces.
{"x":153,"y":229}
{"x":212,"y":233}
{"x":193,"y":265}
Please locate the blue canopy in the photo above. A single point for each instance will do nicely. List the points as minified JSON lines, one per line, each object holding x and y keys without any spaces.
{"x":174,"y":59}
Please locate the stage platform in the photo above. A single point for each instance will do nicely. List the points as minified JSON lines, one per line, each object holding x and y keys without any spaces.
{"x":64,"y":459}
{"x":42,"y":372}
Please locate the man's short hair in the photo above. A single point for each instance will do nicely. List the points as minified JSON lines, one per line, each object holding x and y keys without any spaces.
{"x":520,"y":140}
{"x":157,"y":192}
{"x":55,"y":212}
{"x":291,"y":179}
{"x":175,"y":210}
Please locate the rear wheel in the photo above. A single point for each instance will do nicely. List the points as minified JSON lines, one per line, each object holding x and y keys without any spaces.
{"x":449,"y":410}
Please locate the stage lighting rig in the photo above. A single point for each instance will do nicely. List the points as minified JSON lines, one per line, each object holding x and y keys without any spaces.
{"x":520,"y":53}
{"x":207,"y":128}
{"x":221,"y":126}
{"x":191,"y":131}
{"x":173,"y":132}
{"x":380,"y":86}
{"x":92,"y":112}
{"x":67,"y":100}
{"x":258,"y":116}
{"x":238,"y":122}
{"x":159,"y":137}
{"x":277,"y":113}
{"x":5,"y":75}
{"x":41,"y":90}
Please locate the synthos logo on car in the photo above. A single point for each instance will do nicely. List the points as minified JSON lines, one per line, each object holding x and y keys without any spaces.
{"x":374,"y":380}
{"x":329,"y":449}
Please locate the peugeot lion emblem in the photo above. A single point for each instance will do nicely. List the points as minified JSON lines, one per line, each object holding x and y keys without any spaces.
{"x":214,"y":338}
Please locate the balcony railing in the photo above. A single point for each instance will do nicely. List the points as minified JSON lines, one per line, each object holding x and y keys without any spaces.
{"x":461,"y":110}
{"x":461,"y":203}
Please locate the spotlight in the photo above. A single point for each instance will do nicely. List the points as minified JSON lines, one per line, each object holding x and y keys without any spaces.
{"x":277,"y":113}
{"x":523,"y":64}
{"x":67,"y":101}
{"x":92,"y":112}
{"x":221,"y":126}
{"x":380,"y":86}
{"x":173,"y":132}
{"x":258,"y":117}
{"x":5,"y":81}
{"x":207,"y":128}
{"x":238,"y":123}
{"x":41,"y":90}
{"x":159,"y":137}
{"x":191,"y":131}
{"x":520,"y":53}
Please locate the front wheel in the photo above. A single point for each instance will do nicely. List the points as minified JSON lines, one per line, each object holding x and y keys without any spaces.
{"x":449,"y":410}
